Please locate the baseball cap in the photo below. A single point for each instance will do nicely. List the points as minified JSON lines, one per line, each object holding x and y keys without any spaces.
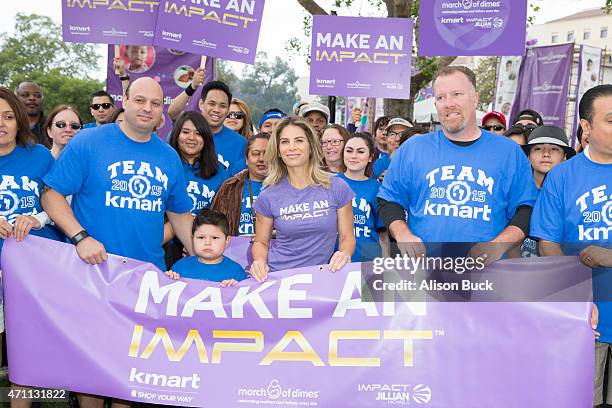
{"x":399,"y":121}
{"x":550,"y":135}
{"x":315,"y":107}
{"x":529,"y":114}
{"x":493,"y":114}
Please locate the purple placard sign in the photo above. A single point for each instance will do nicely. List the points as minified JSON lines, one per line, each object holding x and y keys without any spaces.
{"x":544,"y":81}
{"x":227,"y":29}
{"x":302,"y":338}
{"x":171,"y":68}
{"x":361,"y":56}
{"x":109,"y":21}
{"x":472,"y":27}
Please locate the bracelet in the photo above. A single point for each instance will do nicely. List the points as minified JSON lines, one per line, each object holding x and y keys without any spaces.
{"x":79,"y":237}
{"x":124,"y":78}
{"x":189,"y":90}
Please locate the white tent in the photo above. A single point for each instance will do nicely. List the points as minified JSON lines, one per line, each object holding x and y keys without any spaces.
{"x":425,"y":112}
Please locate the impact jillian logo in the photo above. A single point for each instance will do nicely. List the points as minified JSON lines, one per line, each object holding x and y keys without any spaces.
{"x":403,"y":394}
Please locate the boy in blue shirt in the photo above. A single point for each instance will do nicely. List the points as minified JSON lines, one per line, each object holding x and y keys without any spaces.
{"x":210,"y":238}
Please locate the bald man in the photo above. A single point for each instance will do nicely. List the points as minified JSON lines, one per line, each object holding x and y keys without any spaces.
{"x":123,"y":180}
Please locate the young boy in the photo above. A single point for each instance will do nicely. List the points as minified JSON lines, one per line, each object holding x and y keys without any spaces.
{"x":210,"y":234}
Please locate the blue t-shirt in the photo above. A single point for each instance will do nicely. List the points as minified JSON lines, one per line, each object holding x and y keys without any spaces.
{"x":381,"y":164}
{"x":202,"y":191}
{"x":230,"y":147}
{"x":191,"y":268}
{"x":574,"y":209}
{"x":247,"y":220}
{"x":366,"y":219}
{"x":459,"y":193}
{"x":121,"y":189}
{"x":21,"y":173}
{"x":90,"y":125}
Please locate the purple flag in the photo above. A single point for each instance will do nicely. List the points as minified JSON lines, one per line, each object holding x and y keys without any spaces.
{"x":303,"y":338}
{"x":226,"y":29}
{"x":109,"y":22}
{"x":361,"y":56}
{"x":171,"y":68}
{"x":544,"y":82}
{"x":472,"y":27}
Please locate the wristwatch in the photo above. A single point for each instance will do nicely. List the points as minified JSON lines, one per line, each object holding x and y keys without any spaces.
{"x":79,"y":237}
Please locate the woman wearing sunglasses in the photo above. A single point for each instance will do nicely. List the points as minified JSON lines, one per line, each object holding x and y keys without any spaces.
{"x":62,"y":124}
{"x":239,"y":118}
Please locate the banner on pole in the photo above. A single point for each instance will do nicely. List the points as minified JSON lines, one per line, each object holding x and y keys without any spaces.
{"x":289,"y":341}
{"x":544,"y":83}
{"x":109,"y":22}
{"x":589,"y":68}
{"x":506,"y":84}
{"x":361,"y":56}
{"x":227,"y":29}
{"x":472,"y":27}
{"x":173,"y":70}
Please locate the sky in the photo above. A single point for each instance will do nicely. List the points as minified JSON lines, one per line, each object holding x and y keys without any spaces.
{"x":282,"y":20}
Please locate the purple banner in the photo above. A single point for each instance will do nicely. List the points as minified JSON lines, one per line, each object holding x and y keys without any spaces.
{"x":171,"y":68}
{"x":361,"y":56}
{"x":227,"y":29}
{"x":109,"y":22}
{"x":544,"y":82}
{"x":302,"y":338}
{"x":472,"y":27}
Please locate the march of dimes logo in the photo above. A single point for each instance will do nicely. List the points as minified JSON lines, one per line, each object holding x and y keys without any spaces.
{"x":136,"y":185}
{"x":277,"y":394}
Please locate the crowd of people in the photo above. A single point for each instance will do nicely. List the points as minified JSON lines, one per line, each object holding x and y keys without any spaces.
{"x":308,"y":192}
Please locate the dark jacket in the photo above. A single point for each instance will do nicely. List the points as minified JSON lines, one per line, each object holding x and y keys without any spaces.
{"x":228,"y":200}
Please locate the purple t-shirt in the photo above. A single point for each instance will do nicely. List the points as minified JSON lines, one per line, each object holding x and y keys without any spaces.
{"x":306,"y":222}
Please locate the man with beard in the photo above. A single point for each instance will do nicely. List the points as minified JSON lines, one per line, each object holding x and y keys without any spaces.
{"x":30,"y":94}
{"x":461,"y":183}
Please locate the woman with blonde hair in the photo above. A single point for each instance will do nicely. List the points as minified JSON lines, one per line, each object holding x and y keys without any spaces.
{"x":307,"y":206}
{"x":239,"y":118}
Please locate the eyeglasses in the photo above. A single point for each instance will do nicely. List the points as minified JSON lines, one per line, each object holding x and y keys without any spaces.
{"x":497,"y":128}
{"x":96,"y":106}
{"x":334,"y":143}
{"x":235,"y":115}
{"x":61,"y":124}
{"x":393,"y":135}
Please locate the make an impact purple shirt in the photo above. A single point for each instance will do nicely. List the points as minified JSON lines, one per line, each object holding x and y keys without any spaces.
{"x":306,"y":222}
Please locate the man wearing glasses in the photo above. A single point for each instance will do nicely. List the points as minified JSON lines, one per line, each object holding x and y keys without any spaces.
{"x":101,"y":107}
{"x":30,"y":94}
{"x":393,"y":133}
{"x":494,"y":122}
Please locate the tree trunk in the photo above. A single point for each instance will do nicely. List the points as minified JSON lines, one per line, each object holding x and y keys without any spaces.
{"x":398,"y":107}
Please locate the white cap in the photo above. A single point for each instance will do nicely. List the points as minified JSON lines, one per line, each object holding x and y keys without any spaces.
{"x":399,"y":121}
{"x":315,"y":107}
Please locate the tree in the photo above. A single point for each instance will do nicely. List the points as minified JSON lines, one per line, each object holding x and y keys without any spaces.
{"x":36,"y":51}
{"x":267,"y":84}
{"x":485,"y":72}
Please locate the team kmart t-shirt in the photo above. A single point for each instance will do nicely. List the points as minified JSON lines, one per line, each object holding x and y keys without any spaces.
{"x":230,"y":147}
{"x":247,"y":213}
{"x":306,"y":222}
{"x":21,"y":173}
{"x":121,"y":189}
{"x":366,"y":219}
{"x":459,"y":193}
{"x":574,"y":209}
{"x":202,"y":191}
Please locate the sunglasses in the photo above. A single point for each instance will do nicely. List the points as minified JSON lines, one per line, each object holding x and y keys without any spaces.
{"x":525,"y":128}
{"x":96,"y":106}
{"x":61,"y":124}
{"x":497,"y":128}
{"x":235,"y":115}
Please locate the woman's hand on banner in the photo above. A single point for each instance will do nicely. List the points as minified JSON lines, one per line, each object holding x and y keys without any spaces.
{"x":229,"y":282}
{"x":173,"y":275}
{"x":259,"y":271}
{"x":198,"y":78}
{"x":91,"y":251}
{"x":338,"y":260}
{"x":23,"y":225}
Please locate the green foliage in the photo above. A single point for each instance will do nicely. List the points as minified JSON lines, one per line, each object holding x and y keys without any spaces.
{"x":264,"y":85}
{"x":485,"y":72}
{"x":36,"y":51}
{"x":59,"y":88}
